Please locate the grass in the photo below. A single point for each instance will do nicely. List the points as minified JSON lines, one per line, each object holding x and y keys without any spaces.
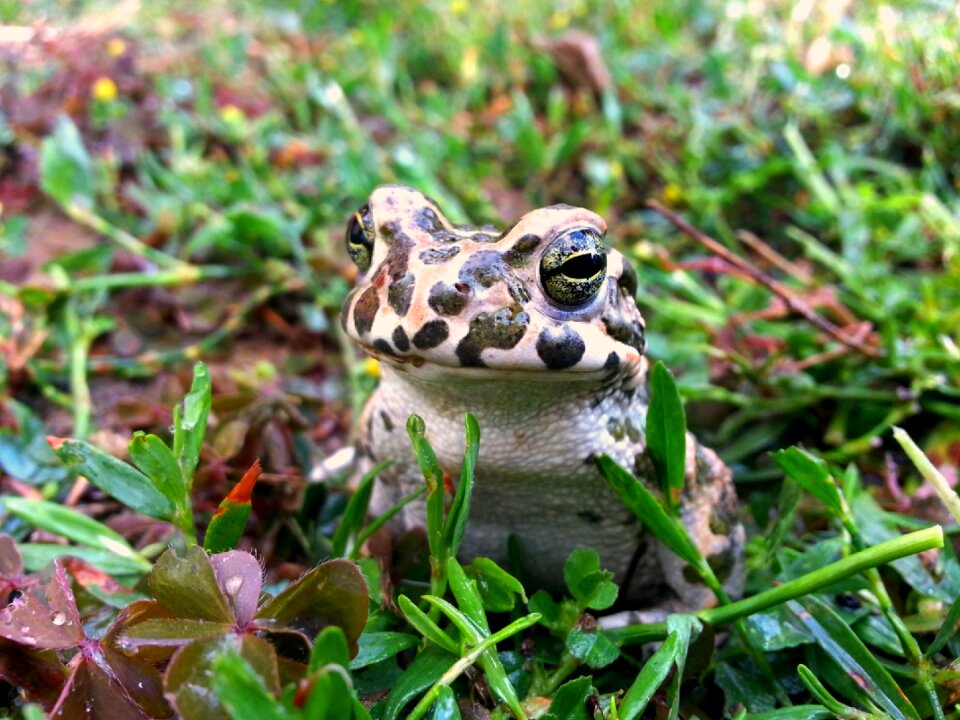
{"x":151,"y":160}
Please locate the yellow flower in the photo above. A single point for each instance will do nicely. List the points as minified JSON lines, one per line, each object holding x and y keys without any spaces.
{"x":672,"y":194}
{"x":104,"y":89}
{"x":231,"y":114}
{"x":116,"y":47}
{"x":371,"y":367}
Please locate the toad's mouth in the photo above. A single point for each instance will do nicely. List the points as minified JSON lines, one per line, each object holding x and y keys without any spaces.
{"x":502,"y":366}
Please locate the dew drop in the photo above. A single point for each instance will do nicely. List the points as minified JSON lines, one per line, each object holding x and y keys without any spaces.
{"x":58,"y":618}
{"x":233,"y":584}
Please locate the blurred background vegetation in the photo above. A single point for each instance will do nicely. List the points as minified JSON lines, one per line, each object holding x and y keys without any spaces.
{"x":226,"y":145}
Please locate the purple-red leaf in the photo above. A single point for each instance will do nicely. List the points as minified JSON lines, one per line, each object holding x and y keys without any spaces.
{"x":44,"y":617}
{"x":92,"y":694}
{"x":332,"y":593}
{"x":189,"y":677}
{"x":38,"y":673}
{"x":11,"y":567}
{"x":240,"y":579}
{"x":187,"y":587}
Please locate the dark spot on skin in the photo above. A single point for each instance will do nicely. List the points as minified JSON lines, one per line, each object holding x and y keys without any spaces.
{"x":628,"y":281}
{"x":400,"y":339}
{"x":622,"y":320}
{"x":431,"y":334}
{"x":590,"y":516}
{"x":482,"y":237}
{"x":590,"y":459}
{"x":501,"y":329}
{"x":400,"y":293}
{"x":448,"y":299}
{"x":435,"y":256}
{"x":615,"y":428}
{"x":718,"y":526}
{"x":560,"y":350}
{"x":382,"y":346}
{"x":486,"y":268}
{"x":398,"y":256}
{"x":612,"y":362}
{"x":365,"y":310}
{"x":387,"y":422}
{"x":426,"y":218}
{"x":633,"y":432}
{"x":518,"y":255}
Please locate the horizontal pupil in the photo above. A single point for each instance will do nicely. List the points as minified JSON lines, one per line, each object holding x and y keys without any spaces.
{"x":582,"y":266}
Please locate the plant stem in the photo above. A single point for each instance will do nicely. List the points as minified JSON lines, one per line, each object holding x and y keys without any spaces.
{"x":183,"y":275}
{"x":938,"y":482}
{"x":469,"y":659}
{"x":881,"y":554}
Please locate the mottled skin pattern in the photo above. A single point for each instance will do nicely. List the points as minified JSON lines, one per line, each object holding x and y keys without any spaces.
{"x":463,"y":320}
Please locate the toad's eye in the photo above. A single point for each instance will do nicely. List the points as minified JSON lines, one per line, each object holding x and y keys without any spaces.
{"x":573,"y":267}
{"x":360,"y":238}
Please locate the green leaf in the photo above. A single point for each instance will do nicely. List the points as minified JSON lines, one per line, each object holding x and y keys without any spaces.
{"x":330,"y":648}
{"x":651,"y":677}
{"x":686,"y":628}
{"x":845,"y":648}
{"x":812,"y":475}
{"x":37,"y":555}
{"x":66,"y":172}
{"x":355,"y":514}
{"x":667,"y":435}
{"x":819,"y":692}
{"x":75,"y":526}
{"x":590,"y":586}
{"x":473,"y":635}
{"x":949,"y":628}
{"x":433,"y":476}
{"x":445,"y":707}
{"x":797,"y":712}
{"x":190,"y":423}
{"x":119,"y":480}
{"x":332,"y":593}
{"x":330,"y":698}
{"x":465,"y":591}
{"x":426,"y":669}
{"x":155,"y":460}
{"x":425,"y":626}
{"x":378,"y":646}
{"x":229,"y":521}
{"x":497,"y":587}
{"x":456,"y":523}
{"x":570,"y":700}
{"x":25,"y":453}
{"x":593,"y":647}
{"x":187,"y":587}
{"x":242,"y":691}
{"x":191,"y":675}
{"x":644,"y":505}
